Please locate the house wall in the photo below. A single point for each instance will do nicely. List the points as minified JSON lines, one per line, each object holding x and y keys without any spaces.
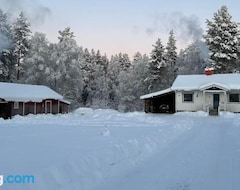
{"x":29,"y":107}
{"x":233,"y":106}
{"x":199,"y":101}
{"x":17,"y":111}
{"x":63,"y":107}
{"x":55,"y":106}
{"x":195,"y":105}
{"x":40,"y":107}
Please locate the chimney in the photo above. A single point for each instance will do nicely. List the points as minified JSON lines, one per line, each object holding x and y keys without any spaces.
{"x":208,"y":71}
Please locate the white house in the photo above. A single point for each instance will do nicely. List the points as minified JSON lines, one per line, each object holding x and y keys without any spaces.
{"x":210,"y":93}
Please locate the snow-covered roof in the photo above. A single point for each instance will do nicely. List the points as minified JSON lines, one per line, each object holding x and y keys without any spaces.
{"x":197,"y":82}
{"x":26,"y":93}
{"x":154,"y":94}
{"x":201,"y":82}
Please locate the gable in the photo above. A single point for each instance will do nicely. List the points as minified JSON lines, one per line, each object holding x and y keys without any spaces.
{"x":214,"y":86}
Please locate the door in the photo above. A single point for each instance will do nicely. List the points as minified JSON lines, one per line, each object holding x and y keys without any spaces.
{"x":48,"y":106}
{"x":215,"y":101}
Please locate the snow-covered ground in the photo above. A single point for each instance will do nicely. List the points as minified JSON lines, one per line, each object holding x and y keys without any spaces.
{"x":104,"y":149}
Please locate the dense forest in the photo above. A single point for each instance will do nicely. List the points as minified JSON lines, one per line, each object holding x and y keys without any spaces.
{"x":88,"y":78}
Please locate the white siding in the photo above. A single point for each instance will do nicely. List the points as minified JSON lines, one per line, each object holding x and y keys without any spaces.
{"x":233,"y":106}
{"x":199,"y":101}
{"x":195,"y":105}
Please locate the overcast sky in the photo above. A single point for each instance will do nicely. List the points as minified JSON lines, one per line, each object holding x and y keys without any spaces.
{"x":126,"y":26}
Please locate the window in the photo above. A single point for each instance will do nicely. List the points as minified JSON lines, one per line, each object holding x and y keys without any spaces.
{"x":16,"y":105}
{"x":233,"y":97}
{"x":188,"y":97}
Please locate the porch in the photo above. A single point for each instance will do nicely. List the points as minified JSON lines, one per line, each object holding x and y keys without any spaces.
{"x":214,"y":101}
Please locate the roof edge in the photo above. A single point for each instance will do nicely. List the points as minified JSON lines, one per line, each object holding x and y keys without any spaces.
{"x":154,"y":94}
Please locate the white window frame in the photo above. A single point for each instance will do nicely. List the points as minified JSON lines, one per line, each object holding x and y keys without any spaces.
{"x":16,"y":105}
{"x":188,"y":93}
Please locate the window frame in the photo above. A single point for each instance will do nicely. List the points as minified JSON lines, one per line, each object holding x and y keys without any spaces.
{"x":231,"y":100}
{"x":15,"y":105}
{"x":190,"y":94}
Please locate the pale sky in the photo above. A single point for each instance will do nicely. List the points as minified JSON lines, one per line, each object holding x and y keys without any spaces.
{"x":126,"y":26}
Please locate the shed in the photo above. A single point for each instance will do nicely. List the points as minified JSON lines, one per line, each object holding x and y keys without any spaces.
{"x":23,"y":99}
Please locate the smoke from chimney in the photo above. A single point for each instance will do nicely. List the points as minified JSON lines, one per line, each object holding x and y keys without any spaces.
{"x":186,"y":28}
{"x":32,"y":9}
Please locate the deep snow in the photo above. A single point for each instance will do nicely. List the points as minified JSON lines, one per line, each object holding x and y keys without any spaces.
{"x":105,"y":149}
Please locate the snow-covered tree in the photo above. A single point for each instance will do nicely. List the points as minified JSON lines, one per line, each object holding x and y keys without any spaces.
{"x":21,"y":32}
{"x":171,"y":57}
{"x":66,"y":33}
{"x":118,"y":68}
{"x":87,"y":68}
{"x":157,"y":66}
{"x":66,"y":71}
{"x":139,"y":74}
{"x":7,"y":67}
{"x":222,"y":39}
{"x":100,"y":92}
{"x":36,"y":64}
{"x":124,"y":90}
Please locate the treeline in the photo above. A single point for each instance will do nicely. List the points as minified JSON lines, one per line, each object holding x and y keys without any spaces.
{"x":87,"y":78}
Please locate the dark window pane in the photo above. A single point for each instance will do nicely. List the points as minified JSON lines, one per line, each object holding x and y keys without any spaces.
{"x":233,"y":97}
{"x":188,"y":97}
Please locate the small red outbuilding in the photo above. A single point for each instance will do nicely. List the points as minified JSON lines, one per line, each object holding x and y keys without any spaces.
{"x":23,"y":99}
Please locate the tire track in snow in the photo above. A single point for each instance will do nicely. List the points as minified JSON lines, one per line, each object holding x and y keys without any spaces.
{"x":206,"y":157}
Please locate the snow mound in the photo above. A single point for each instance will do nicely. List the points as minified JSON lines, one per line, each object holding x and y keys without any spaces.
{"x":83,"y":111}
{"x":194,"y":114}
{"x":229,"y":114}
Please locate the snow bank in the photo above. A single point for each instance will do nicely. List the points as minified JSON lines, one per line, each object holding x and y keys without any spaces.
{"x":229,"y":114}
{"x":193,"y":114}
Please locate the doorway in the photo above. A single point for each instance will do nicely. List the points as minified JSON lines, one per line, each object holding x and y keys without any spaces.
{"x":5,"y":110}
{"x":48,"y":106}
{"x":216,"y":99}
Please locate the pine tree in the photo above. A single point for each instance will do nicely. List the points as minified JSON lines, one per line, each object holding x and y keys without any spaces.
{"x":66,"y":71}
{"x":157,"y":66}
{"x":21,"y":32}
{"x":139,"y":74}
{"x":100,"y":93}
{"x":36,"y":65}
{"x":118,"y":70}
{"x":171,"y":57}
{"x":7,"y":67}
{"x":66,"y":33}
{"x":124,"y":90}
{"x":222,"y":39}
{"x":87,"y":67}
